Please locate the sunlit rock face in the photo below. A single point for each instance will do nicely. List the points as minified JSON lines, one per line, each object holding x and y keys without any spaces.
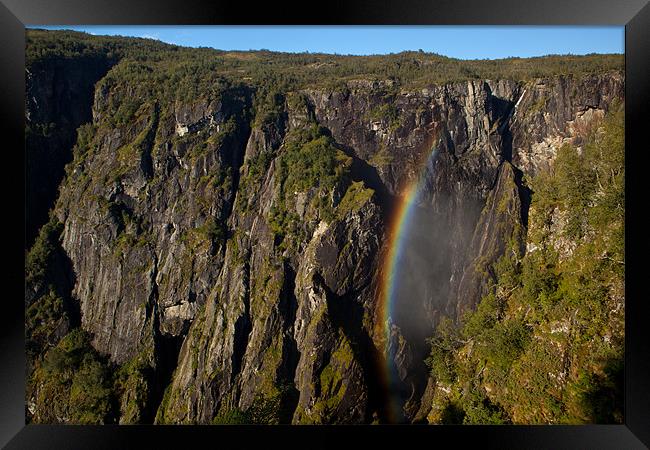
{"x":186,"y":244}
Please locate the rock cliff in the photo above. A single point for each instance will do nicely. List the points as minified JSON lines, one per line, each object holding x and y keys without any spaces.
{"x":238,"y":255}
{"x":58,"y":100}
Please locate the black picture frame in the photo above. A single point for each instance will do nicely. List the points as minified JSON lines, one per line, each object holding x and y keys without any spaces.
{"x":633,"y":14}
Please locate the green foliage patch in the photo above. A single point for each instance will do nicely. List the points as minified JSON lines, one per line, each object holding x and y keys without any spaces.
{"x":275,"y":73}
{"x":74,"y":384}
{"x":546,"y":344}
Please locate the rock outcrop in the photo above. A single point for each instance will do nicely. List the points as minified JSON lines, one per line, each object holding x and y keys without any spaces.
{"x":193,"y":239}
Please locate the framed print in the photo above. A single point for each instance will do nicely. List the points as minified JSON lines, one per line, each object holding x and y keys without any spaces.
{"x":387,"y":223}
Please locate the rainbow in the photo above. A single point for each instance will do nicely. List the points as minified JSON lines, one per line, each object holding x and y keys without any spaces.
{"x":398,"y":230}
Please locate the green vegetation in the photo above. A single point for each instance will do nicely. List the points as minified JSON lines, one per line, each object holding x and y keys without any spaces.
{"x":161,"y":414}
{"x":309,"y":162}
{"x":210,"y":231}
{"x":539,"y":105}
{"x":82,"y":147}
{"x":68,"y":380}
{"x":42,"y":320}
{"x":550,"y":333}
{"x":270,"y":96}
{"x":355,"y":197}
{"x":382,"y":158}
{"x":46,"y":318}
{"x":265,"y":410}
{"x":546,"y":345}
{"x":443,"y":345}
{"x":73,"y":384}
{"x":278,"y":73}
{"x":258,"y":165}
{"x":132,"y":386}
{"x":40,"y":257}
{"x":387,"y":112}
{"x":333,"y":384}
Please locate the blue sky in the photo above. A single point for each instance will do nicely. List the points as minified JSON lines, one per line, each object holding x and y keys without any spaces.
{"x":465,"y":42}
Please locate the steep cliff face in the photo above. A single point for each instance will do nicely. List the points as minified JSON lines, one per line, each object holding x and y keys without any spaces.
{"x":286,"y":318}
{"x":58,"y":99}
{"x":545,"y":343}
{"x":553,"y":112}
{"x":147,"y":250}
{"x":486,"y":132}
{"x":238,"y":256}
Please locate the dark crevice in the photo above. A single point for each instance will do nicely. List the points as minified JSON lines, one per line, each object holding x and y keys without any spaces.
{"x":286,"y":374}
{"x":234,"y":149}
{"x":501,"y":111}
{"x":59,"y":277}
{"x":60,"y":94}
{"x":167,"y":350}
{"x":232,"y":155}
{"x":153,"y":295}
{"x":362,"y":171}
{"x":243,"y":327}
{"x":506,"y":141}
{"x":146,"y":161}
{"x":525,"y":195}
{"x":504,"y":110}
